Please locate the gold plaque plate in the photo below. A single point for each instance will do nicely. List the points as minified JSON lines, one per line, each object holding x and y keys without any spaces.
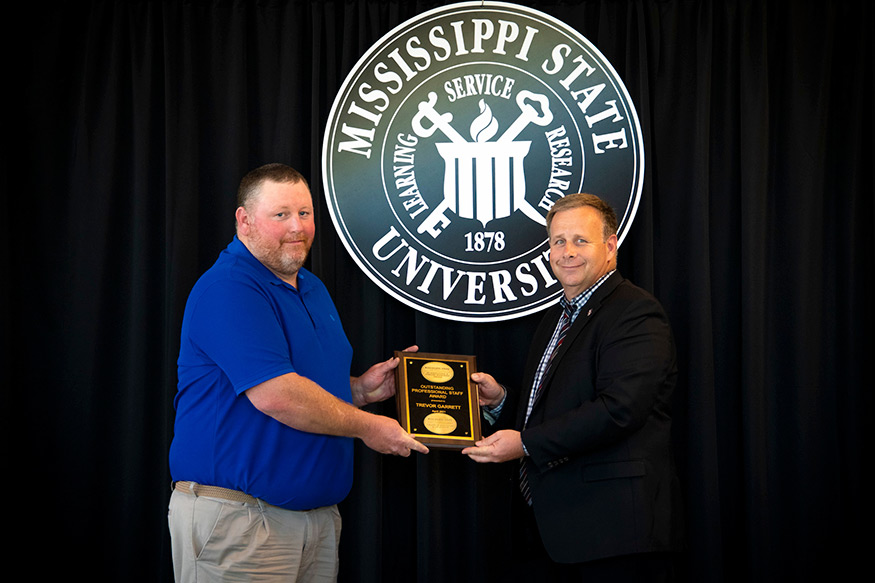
{"x":438,"y":403}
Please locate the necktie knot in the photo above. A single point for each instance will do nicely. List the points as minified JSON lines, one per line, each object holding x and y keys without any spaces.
{"x":569,"y":310}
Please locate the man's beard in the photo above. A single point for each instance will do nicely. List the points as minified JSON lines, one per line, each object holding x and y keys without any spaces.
{"x":280,"y":260}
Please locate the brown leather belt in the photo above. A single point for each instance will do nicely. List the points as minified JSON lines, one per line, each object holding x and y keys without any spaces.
{"x":214,"y":492}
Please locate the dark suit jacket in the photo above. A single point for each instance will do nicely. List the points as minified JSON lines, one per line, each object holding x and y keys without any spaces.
{"x":600,"y":466}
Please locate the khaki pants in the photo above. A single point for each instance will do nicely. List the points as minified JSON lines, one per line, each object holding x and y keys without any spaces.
{"x":218,"y":540}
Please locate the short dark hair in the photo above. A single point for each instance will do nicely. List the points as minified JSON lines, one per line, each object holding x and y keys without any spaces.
{"x":572,"y":201}
{"x":276,"y":172}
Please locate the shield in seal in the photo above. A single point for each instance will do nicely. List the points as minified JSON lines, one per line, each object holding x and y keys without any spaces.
{"x":450,"y":140}
{"x":484,"y":180}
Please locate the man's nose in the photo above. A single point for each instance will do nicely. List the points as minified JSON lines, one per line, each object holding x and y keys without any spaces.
{"x":294,"y":224}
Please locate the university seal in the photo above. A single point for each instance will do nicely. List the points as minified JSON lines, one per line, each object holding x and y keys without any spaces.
{"x":451,"y":139}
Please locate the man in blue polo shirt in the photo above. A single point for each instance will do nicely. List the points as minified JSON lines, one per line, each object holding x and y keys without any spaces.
{"x":266,"y":408}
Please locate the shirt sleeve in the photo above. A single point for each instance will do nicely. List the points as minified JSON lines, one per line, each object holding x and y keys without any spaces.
{"x":491,"y":414}
{"x":238,"y":327}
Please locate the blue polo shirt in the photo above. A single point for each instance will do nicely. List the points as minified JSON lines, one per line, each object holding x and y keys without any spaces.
{"x":243,"y":326}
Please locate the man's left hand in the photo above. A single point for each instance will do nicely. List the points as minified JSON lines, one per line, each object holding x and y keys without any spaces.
{"x":377,"y":383}
{"x":501,"y":446}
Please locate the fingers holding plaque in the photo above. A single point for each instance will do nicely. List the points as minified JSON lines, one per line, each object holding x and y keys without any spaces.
{"x":437,"y":402}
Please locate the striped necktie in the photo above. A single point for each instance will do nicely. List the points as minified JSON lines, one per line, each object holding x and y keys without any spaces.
{"x":564,"y":324}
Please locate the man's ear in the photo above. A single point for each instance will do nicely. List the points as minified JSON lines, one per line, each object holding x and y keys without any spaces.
{"x":612,"y":246}
{"x":242,"y":220}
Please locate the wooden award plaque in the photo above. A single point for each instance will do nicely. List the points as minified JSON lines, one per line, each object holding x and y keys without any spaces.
{"x":437,"y":401}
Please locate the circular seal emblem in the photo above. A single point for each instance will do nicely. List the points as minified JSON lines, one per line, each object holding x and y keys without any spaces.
{"x":450,"y":141}
{"x":436,"y":372}
{"x":440,"y":423}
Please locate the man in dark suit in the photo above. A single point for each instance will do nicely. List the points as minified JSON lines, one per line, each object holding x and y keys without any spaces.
{"x":592,"y":423}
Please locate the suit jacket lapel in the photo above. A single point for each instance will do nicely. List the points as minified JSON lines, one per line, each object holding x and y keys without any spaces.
{"x":587,"y":312}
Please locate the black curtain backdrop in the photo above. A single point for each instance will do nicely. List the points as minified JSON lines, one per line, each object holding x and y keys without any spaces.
{"x":131,"y":124}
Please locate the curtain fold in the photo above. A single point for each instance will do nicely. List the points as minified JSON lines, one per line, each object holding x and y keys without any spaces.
{"x":133,"y":122}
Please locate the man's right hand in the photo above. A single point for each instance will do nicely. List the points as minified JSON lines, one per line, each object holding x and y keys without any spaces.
{"x":385,"y":435}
